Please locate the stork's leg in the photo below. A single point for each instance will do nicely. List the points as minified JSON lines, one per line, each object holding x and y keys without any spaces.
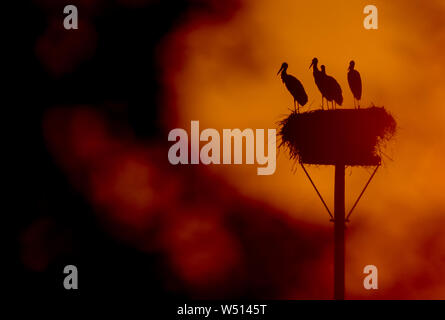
{"x":354,"y":104}
{"x":298,"y":107}
{"x":322,"y":100}
{"x":358,"y":102}
{"x":295,"y":108}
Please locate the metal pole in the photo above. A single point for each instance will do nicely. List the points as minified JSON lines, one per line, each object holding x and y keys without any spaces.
{"x":339,"y":233}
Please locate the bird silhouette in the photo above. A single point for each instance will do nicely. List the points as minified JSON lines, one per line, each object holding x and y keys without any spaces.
{"x":294,"y":86}
{"x":355,"y":83}
{"x":333,"y":89}
{"x":318,"y":77}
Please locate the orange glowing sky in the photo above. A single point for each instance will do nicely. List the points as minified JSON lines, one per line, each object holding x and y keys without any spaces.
{"x":224,"y":75}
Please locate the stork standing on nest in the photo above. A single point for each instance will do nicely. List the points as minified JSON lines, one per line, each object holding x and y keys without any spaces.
{"x":318,"y":77}
{"x":355,"y":83}
{"x":294,"y":86}
{"x":333,"y":89}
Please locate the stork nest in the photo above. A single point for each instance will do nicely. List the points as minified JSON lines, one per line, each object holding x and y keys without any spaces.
{"x":353,"y":137}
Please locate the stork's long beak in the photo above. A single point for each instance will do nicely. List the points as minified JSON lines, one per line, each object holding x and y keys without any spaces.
{"x":312,"y":63}
{"x":280,"y":70}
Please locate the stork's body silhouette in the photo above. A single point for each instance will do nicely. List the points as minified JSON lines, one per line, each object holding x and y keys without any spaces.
{"x":318,"y":77}
{"x":294,"y":86}
{"x":333,"y":89}
{"x":355,"y":83}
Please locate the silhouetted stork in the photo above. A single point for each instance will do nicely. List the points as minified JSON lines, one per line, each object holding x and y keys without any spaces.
{"x":333,"y":89}
{"x":318,"y":77}
{"x":355,"y":83}
{"x":294,"y":86}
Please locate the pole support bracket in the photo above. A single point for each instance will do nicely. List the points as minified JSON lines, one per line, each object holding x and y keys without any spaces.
{"x":318,"y":193}
{"x":361,"y":194}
